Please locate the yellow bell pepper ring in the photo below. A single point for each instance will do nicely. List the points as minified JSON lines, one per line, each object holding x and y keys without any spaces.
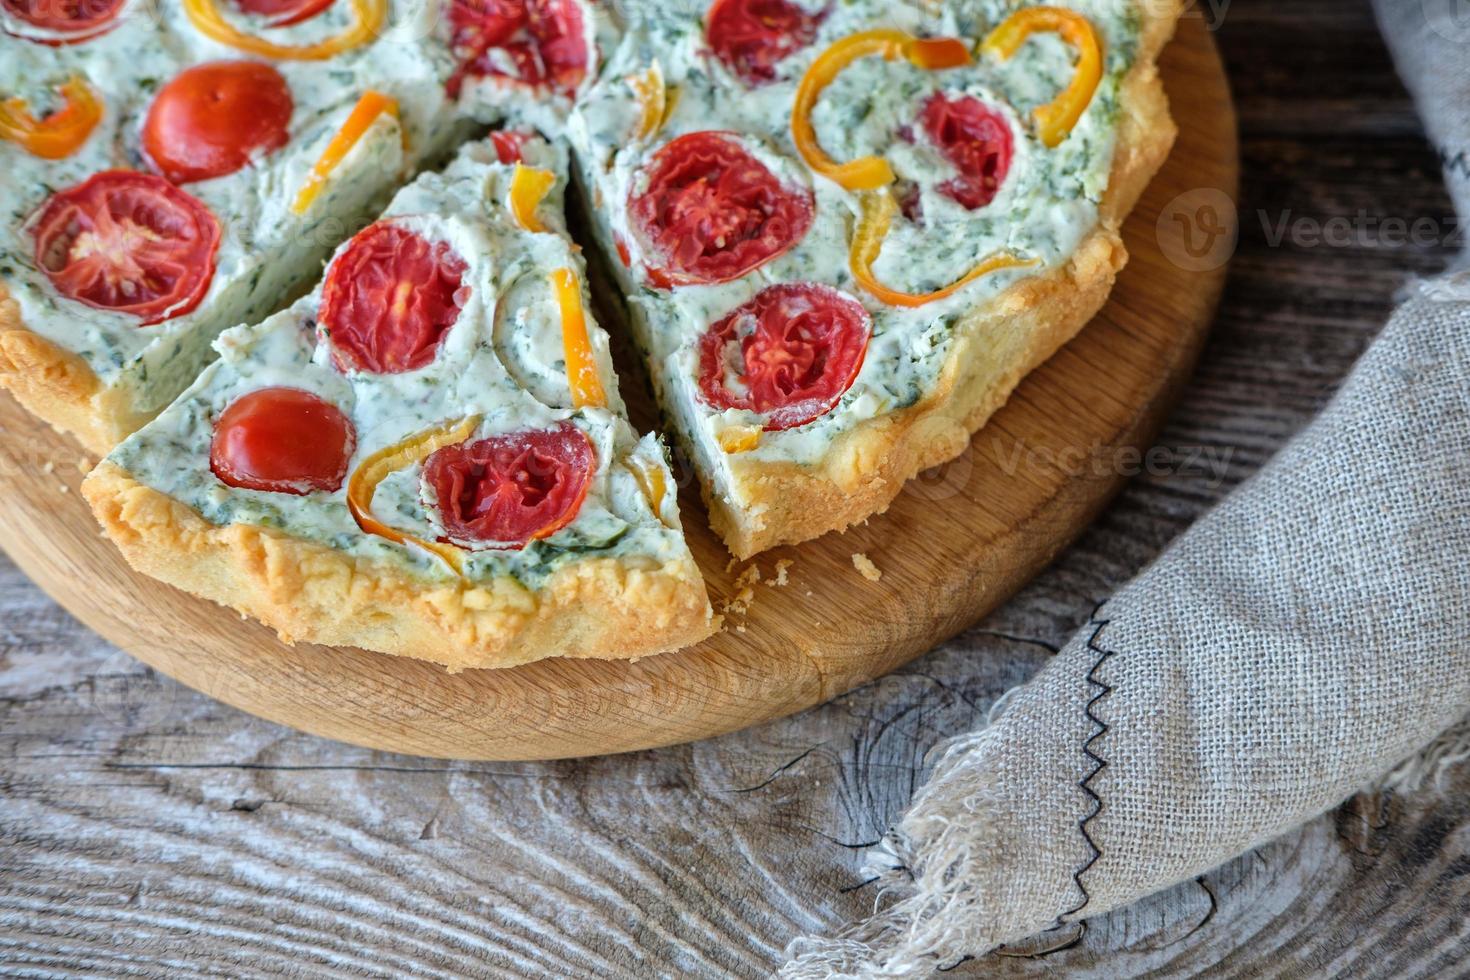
{"x":740,"y":439}
{"x":1055,"y":120}
{"x":369,"y":475}
{"x":58,"y":134}
{"x":651,"y":480}
{"x":879,"y":209}
{"x":528,"y":188}
{"x":872,"y":172}
{"x":368,"y":19}
{"x":582,"y":375}
{"x":359,"y":121}
{"x":655,"y":99}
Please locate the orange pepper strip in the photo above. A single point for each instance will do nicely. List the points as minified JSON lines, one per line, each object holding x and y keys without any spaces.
{"x":653,"y":96}
{"x":363,"y":115}
{"x":59,"y":134}
{"x":369,"y":16}
{"x":1054,"y":121}
{"x":582,"y":375}
{"x":879,"y":210}
{"x":651,"y":480}
{"x":528,"y":188}
{"x":740,"y":438}
{"x":936,"y":53}
{"x":864,"y":173}
{"x":368,"y":476}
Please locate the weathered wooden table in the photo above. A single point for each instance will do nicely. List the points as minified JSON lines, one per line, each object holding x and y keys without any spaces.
{"x":147,"y":830}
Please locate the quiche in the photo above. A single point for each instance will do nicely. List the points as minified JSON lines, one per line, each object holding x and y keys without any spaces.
{"x":426,"y":456}
{"x":177,"y":167}
{"x":846,"y":231}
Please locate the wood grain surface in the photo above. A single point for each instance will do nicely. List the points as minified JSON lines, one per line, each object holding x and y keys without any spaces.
{"x":959,"y":541}
{"x":148,"y":830}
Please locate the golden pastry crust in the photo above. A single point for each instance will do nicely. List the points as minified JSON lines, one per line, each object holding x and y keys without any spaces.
{"x":995,"y":348}
{"x":606,"y":608}
{"x":58,"y":387}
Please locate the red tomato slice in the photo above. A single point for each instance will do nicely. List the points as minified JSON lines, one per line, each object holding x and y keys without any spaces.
{"x":129,"y":243}
{"x":283,"y":13}
{"x":541,"y":43}
{"x":64,"y":21}
{"x":712,"y":212}
{"x":214,"y":119}
{"x":509,"y":145}
{"x":282,"y":440}
{"x":510,"y":490}
{"x":390,"y":298}
{"x":977,"y":140}
{"x":752,"y":37}
{"x":790,"y":354}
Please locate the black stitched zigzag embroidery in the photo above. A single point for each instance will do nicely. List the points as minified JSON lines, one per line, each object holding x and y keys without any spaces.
{"x":1099,"y":763}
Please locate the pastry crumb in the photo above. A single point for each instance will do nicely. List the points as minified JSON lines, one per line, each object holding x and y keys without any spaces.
{"x":49,"y":467}
{"x":63,"y":488}
{"x":865,"y":567}
{"x":781,"y":579}
{"x":744,"y":590}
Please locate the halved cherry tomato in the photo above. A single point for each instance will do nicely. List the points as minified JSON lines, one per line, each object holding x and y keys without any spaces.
{"x":129,"y":243}
{"x":712,"y":212}
{"x":541,"y":43}
{"x":390,"y":298}
{"x":510,"y":145}
{"x":64,"y":21}
{"x":976,"y":139}
{"x":789,"y":354}
{"x":507,"y":491}
{"x":283,"y":13}
{"x":282,"y":440}
{"x":752,"y":37}
{"x":215,"y":118}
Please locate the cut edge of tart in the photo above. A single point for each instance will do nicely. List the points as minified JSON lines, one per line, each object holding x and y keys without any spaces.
{"x":528,"y":519}
{"x":606,"y":609}
{"x":61,"y":388}
{"x":758,"y":503}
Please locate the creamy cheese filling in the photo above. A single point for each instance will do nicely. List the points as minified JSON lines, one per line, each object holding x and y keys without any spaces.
{"x":1044,"y":209}
{"x":465,"y":208}
{"x":267,"y":254}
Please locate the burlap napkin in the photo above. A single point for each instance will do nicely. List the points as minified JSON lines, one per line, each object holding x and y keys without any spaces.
{"x":1296,"y":645}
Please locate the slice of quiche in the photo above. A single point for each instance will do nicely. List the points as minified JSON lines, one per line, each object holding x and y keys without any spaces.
{"x":848,"y":230}
{"x":177,"y":167}
{"x":427,"y":456}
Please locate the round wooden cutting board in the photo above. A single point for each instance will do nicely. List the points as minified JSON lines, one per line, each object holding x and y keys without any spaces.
{"x":959,"y":541}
